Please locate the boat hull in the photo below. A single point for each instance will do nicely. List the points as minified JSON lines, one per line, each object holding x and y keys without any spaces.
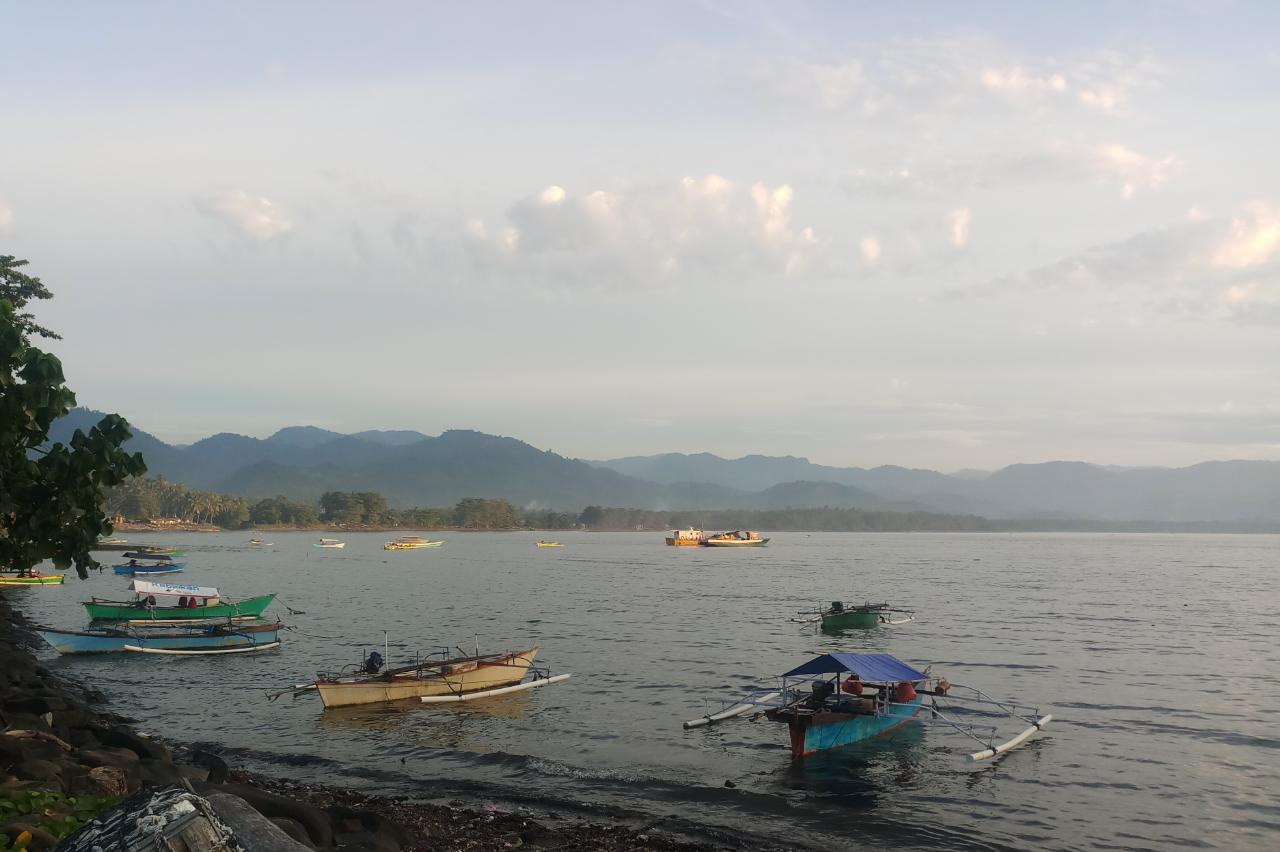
{"x":43,"y":580}
{"x":132,"y":612}
{"x":484,"y":674}
{"x":828,"y":730}
{"x":843,"y":620}
{"x":106,"y":642}
{"x":729,"y":542}
{"x":396,"y":545}
{"x":684,"y":542}
{"x":147,"y":570}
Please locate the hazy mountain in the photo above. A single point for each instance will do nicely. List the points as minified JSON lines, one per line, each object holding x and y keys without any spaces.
{"x":414,"y":469}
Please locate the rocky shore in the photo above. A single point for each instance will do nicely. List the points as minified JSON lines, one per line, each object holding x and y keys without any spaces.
{"x":57,"y":736}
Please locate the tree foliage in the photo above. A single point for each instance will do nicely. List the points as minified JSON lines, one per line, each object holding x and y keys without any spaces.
{"x":18,"y":289}
{"x":149,"y":499}
{"x":50,"y":496}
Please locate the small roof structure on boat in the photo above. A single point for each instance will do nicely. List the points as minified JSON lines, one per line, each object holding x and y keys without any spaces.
{"x":872,"y":668}
{"x":146,"y":587}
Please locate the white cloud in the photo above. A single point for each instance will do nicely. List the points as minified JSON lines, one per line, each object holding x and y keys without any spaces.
{"x":870,"y":249}
{"x":1018,"y":84}
{"x":1253,"y":240}
{"x":960,"y":220}
{"x":708,"y":227}
{"x":255,"y":217}
{"x":6,"y":217}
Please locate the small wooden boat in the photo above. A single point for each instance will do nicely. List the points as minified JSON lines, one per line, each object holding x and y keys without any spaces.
{"x":35,"y":578}
{"x":687,"y":538}
{"x":257,"y":542}
{"x":192,"y":639}
{"x":736,"y":538}
{"x":154,"y":552}
{"x":134,"y":568}
{"x":839,"y":699}
{"x":411,"y":542}
{"x":432,"y":677}
{"x":549,"y":544}
{"x":330,"y":542}
{"x":838,"y":616}
{"x":189,"y":603}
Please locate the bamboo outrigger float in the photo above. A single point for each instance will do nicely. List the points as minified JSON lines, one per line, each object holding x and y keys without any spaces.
{"x":839,"y":699}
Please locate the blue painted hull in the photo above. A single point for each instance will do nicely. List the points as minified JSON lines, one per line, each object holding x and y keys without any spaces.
{"x":105,"y":642}
{"x":146,"y":570}
{"x":825,"y":731}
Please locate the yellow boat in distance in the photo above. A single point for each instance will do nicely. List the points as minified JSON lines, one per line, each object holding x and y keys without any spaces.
{"x":736,"y":538}
{"x":541,"y":543}
{"x":35,"y":578}
{"x":687,"y":538}
{"x":411,"y":542}
{"x":457,"y":676}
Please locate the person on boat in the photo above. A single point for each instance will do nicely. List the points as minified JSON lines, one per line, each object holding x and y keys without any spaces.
{"x":904,"y":693}
{"x":373,"y":664}
{"x":133,"y":563}
{"x":182,"y":602}
{"x":821,"y":691}
{"x":852,"y":685}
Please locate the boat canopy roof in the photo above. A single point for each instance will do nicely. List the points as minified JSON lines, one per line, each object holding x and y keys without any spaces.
{"x":872,"y":668}
{"x":146,"y":587}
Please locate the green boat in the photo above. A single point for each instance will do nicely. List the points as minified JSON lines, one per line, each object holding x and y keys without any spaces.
{"x":841,"y":617}
{"x":193,"y":603}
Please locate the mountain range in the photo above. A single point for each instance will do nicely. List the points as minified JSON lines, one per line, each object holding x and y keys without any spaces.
{"x":413,"y":469}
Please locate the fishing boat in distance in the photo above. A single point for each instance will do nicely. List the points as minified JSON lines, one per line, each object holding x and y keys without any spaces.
{"x":154,"y":552}
{"x":188,"y":603}
{"x":32,"y":578}
{"x":838,"y":616}
{"x":195,"y":639}
{"x":687,"y":538}
{"x":736,"y":538}
{"x":330,"y":542}
{"x":541,"y":543}
{"x":840,"y":699}
{"x":411,"y":542}
{"x":134,"y":568}
{"x":436,"y":679}
{"x":257,"y":542}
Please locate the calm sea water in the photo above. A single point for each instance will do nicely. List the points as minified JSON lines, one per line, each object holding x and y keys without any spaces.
{"x":1158,"y":656}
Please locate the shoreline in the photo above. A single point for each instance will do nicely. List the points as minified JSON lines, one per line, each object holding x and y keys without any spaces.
{"x":61,"y":736}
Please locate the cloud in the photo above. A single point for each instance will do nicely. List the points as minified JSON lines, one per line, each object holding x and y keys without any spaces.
{"x":1018,"y":84}
{"x":1207,"y":268}
{"x":960,"y":220}
{"x":704,"y":227}
{"x":6,"y":217}
{"x":871,"y":249}
{"x":252,"y":216}
{"x":1111,"y":164}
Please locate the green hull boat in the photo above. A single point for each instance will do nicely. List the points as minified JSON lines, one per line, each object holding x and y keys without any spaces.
{"x":838,"y":616}
{"x":850,"y":619}
{"x":140,"y":611}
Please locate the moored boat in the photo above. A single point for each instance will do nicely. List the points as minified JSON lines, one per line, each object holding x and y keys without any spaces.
{"x":257,"y":542}
{"x":453,"y":676}
{"x":34,"y":578}
{"x":839,"y":616}
{"x":190,"y":603}
{"x":135,"y":568}
{"x":736,"y":538}
{"x":411,"y":542}
{"x":330,"y":542}
{"x":154,"y":552}
{"x":201,"y":639}
{"x":687,"y":538}
{"x":840,"y":699}
{"x":548,"y":544}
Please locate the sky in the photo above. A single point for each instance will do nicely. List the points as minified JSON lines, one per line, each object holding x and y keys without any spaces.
{"x":932,"y":234}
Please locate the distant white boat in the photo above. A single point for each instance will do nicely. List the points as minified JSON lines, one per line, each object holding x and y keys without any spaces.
{"x":330,"y":542}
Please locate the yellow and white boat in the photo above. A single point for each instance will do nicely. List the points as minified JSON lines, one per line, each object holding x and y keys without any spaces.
{"x":736,"y":538}
{"x":34,"y":579}
{"x":411,"y":542}
{"x":457,"y":676}
{"x":687,"y":538}
{"x":549,"y":544}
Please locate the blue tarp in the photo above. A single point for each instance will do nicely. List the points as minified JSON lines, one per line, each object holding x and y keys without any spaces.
{"x":871,"y":668}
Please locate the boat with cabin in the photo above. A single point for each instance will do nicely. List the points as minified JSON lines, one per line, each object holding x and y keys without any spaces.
{"x":183,"y":603}
{"x":841,"y":699}
{"x":687,"y":538}
{"x":412,"y":542}
{"x":736,"y":538}
{"x":839,"y":616}
{"x":224,"y":638}
{"x":330,"y":543}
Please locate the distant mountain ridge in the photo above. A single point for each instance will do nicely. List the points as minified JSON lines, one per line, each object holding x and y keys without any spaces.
{"x":411,"y":468}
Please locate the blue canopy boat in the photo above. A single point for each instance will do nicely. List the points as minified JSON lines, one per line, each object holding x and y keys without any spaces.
{"x":840,"y":699}
{"x":220,"y":638}
{"x":134,"y":568}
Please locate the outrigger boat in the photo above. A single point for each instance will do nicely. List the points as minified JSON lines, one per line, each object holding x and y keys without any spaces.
{"x":840,"y":699}
{"x":257,"y":542}
{"x":190,"y":603}
{"x":155,"y":552}
{"x":548,"y":544}
{"x":134,"y":568}
{"x":33,"y":578}
{"x":437,"y":679}
{"x":329,"y":542}
{"x":736,"y":538}
{"x":225,"y":638}
{"x":411,"y":542}
{"x":840,"y":617}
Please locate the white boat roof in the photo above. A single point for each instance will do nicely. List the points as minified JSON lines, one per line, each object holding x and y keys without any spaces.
{"x":146,"y":587}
